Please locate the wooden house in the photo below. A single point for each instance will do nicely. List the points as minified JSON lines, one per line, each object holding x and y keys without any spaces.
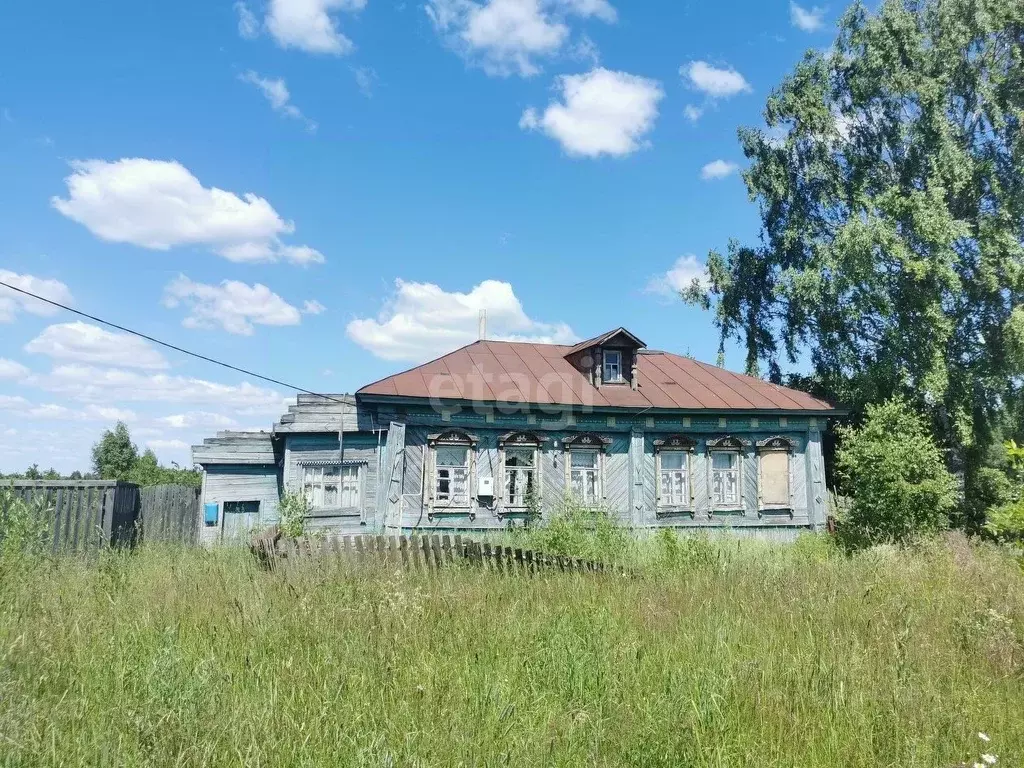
{"x":497,"y":432}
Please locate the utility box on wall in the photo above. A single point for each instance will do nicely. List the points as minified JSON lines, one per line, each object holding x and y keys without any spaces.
{"x":210,"y":513}
{"x":486,"y":487}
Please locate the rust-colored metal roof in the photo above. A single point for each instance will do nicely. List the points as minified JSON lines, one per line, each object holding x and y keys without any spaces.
{"x":518,"y":372}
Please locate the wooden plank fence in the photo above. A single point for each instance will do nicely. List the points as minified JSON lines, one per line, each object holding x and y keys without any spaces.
{"x":426,"y":553}
{"x":169,"y":513}
{"x":83,"y":515}
{"x":86,"y":515}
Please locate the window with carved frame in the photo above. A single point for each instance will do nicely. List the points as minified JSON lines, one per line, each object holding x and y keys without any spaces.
{"x":726,"y":473}
{"x":584,"y":465}
{"x":451,"y":462}
{"x":774,"y":456}
{"x":674,"y":471}
{"x":520,"y":461}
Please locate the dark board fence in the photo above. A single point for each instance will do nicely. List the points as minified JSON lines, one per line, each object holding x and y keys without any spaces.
{"x":417,"y":552}
{"x":85,"y":515}
{"x":170,"y":513}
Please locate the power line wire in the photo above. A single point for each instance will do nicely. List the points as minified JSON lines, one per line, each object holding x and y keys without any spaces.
{"x":172,"y":346}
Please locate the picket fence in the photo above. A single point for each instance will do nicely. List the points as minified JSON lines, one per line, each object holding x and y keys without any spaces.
{"x":417,"y":552}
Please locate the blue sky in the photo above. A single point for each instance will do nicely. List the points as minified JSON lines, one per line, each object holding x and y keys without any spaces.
{"x":327,"y":191}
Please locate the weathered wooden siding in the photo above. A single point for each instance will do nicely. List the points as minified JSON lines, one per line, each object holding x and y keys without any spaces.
{"x":630,"y":482}
{"x":359,"y":448}
{"x":225,"y":482}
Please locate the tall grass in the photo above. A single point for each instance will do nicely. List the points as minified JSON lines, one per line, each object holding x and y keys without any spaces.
{"x":731,"y":654}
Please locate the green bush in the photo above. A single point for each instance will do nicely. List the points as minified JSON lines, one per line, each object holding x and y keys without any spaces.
{"x":573,"y":530}
{"x":1005,"y":519}
{"x":294,"y":509}
{"x":895,"y":474}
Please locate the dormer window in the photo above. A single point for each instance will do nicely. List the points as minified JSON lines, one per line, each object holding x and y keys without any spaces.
{"x":612,"y":366}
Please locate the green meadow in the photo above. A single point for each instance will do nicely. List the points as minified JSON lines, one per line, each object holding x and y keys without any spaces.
{"x":713,"y":653}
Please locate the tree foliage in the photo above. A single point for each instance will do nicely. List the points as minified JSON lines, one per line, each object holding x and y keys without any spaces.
{"x":115,"y":454}
{"x":896,"y":475}
{"x":890,"y":182}
{"x":116,"y":457}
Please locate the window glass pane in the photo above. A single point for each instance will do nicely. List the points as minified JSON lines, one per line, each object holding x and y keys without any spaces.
{"x":518,"y":457}
{"x":584,"y":459}
{"x":720,"y":460}
{"x":673,"y":460}
{"x":452,"y":456}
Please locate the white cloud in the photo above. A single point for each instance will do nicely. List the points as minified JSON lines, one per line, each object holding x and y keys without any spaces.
{"x":601,"y":112}
{"x":422,"y":321}
{"x":12,"y":370}
{"x":507,"y":37}
{"x":693,"y":113}
{"x":113,"y":385}
{"x":204,"y":419}
{"x":248,"y":24}
{"x":716,"y":82}
{"x":275,"y":91}
{"x":718,"y":169}
{"x":159,"y":204}
{"x":232,"y":305}
{"x":12,"y":402}
{"x":679,"y":276}
{"x":366,"y":79}
{"x":12,"y":302}
{"x":809,"y":20}
{"x":313,"y":307}
{"x":310,"y":25}
{"x":85,"y":343}
{"x":88,"y":413}
{"x":167,"y":445}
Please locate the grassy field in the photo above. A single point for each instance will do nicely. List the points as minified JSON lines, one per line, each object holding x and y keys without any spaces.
{"x":715,"y":655}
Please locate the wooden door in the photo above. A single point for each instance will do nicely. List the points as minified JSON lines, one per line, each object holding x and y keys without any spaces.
{"x":240,"y":520}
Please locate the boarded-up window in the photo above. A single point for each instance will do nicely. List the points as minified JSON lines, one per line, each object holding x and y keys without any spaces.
{"x":775,"y":479}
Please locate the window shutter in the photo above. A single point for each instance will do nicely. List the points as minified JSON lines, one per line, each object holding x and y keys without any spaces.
{"x":775,"y":479}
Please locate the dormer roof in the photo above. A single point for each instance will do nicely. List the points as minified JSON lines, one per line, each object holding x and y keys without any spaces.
{"x":618,"y":337}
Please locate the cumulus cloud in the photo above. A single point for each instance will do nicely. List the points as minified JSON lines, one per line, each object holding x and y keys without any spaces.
{"x":507,"y":37}
{"x":422,"y":320}
{"x":11,"y":370}
{"x":86,"y":343}
{"x":678,"y":277}
{"x":204,"y":419}
{"x":306,"y":25}
{"x":600,"y":112}
{"x":716,"y":82}
{"x":160,"y":205}
{"x":275,"y":91}
{"x":718,"y":169}
{"x":313,"y":307}
{"x":88,"y":384}
{"x":234,"y":306}
{"x":12,"y":302}
{"x":807,"y":19}
{"x":366,"y":79}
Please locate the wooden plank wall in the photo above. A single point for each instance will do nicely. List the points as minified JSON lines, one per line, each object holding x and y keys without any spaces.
{"x":170,"y":513}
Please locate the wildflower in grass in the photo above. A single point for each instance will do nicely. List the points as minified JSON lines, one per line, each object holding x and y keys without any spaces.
{"x":984,"y":737}
{"x":990,"y":759}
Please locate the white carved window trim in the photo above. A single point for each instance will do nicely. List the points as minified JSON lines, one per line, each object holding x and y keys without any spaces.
{"x":674,"y":445}
{"x":734,"y":447}
{"x":586,"y":444}
{"x":451,"y":439}
{"x":518,"y":441}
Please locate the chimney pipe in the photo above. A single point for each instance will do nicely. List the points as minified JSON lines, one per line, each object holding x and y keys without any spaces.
{"x":482,"y":329}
